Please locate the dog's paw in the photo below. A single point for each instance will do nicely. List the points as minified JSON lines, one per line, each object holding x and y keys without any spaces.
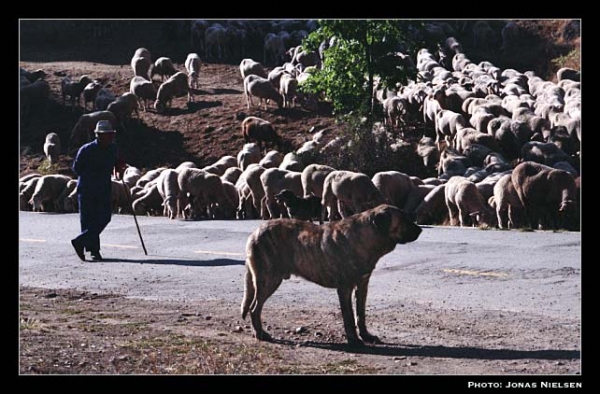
{"x":370,"y":338}
{"x":264,"y":336}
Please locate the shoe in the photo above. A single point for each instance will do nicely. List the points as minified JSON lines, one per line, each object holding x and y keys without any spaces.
{"x":78,"y":249}
{"x":96,"y":256}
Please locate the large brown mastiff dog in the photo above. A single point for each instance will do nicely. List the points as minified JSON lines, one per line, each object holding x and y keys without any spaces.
{"x":338,"y":255}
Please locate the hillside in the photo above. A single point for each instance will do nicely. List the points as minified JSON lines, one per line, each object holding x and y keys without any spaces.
{"x":209,"y":127}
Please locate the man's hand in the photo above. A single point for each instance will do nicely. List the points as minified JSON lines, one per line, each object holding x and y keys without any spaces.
{"x":119,"y":169}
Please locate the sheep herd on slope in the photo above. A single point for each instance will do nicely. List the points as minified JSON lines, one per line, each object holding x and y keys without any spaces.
{"x":504,"y":145}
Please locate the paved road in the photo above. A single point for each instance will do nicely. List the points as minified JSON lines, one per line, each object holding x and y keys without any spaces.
{"x":535,"y":272}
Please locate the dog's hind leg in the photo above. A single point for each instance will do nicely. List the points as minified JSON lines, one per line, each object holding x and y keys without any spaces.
{"x":249,"y":293}
{"x":264,"y":289}
{"x":361,"y":302}
{"x":345,"y":296}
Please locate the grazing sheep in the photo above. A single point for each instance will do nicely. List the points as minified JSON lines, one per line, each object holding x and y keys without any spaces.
{"x":168,"y":188}
{"x":61,"y":201}
{"x":568,"y":73}
{"x":231,"y":175}
{"x":433,"y":209}
{"x":262,"y":88}
{"x":415,"y":197}
{"x":452,"y":163}
{"x":394,"y":108}
{"x":32,"y":76}
{"x":164,"y":67}
{"x":90,"y":93}
{"x":348,"y":192}
{"x":288,"y":88}
{"x":252,"y":67}
{"x":394,"y":186}
{"x":271,"y":159}
{"x":507,"y":203}
{"x":27,"y":187}
{"x":427,"y":149}
{"x":52,"y":147}
{"x":192,"y":66}
{"x":548,"y":195}
{"x":71,"y":202}
{"x":149,"y":176}
{"x":446,"y":124}
{"x":274,"y":49}
{"x":143,"y":89}
{"x":464,"y":200}
{"x":103,"y":98}
{"x":292,"y":162}
{"x":47,"y":190}
{"x":249,"y":154}
{"x":73,"y":89}
{"x":207,"y":194}
{"x":546,"y":153}
{"x":83,"y":131}
{"x":274,"y":180}
{"x":313,"y":177}
{"x":258,"y":130}
{"x":220,"y":166}
{"x":141,"y":63}
{"x":149,"y":203}
{"x":252,"y":178}
{"x":176,"y":85}
{"x":131,"y":175}
{"x":123,"y":106}
{"x":119,"y":197}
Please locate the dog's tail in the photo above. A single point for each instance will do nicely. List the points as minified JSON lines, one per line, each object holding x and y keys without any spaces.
{"x":249,"y":292}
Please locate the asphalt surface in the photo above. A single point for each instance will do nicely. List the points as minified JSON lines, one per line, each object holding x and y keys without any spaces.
{"x":456,"y":268}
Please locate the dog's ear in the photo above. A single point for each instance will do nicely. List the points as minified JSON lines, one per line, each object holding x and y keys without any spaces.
{"x":382,"y":222}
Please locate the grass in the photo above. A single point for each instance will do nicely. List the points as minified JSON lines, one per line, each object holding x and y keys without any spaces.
{"x":46,"y":168}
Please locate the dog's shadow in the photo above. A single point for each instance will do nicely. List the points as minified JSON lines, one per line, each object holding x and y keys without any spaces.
{"x":403,"y":350}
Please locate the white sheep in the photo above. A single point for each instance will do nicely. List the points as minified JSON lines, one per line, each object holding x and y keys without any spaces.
{"x":288,"y":88}
{"x":90,"y":93}
{"x":274,"y":180}
{"x":232,"y":174}
{"x":176,"y":85}
{"x":141,"y":62}
{"x":47,"y":190}
{"x":27,"y":187}
{"x":163,"y":66}
{"x":61,"y":201}
{"x":220,"y":166}
{"x":249,"y":154}
{"x":192,"y":65}
{"x":149,"y":203}
{"x":149,"y":176}
{"x":271,"y":159}
{"x":52,"y":147}
{"x":123,"y":107}
{"x":255,"y":86}
{"x":169,"y":191}
{"x":131,"y":175}
{"x":207,"y":192}
{"x":463,"y":199}
{"x":505,"y":200}
{"x":143,"y":89}
{"x":274,"y":49}
{"x":103,"y":98}
{"x":252,"y":67}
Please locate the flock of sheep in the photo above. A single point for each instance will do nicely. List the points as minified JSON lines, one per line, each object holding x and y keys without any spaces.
{"x":505,"y":146}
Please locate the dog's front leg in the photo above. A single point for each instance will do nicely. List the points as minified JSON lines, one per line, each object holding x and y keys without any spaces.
{"x":345,"y":296}
{"x":361,"y":302}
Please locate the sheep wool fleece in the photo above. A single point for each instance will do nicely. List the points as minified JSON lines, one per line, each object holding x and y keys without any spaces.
{"x":94,"y":165}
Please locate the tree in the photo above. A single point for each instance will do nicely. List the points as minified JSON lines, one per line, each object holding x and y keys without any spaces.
{"x":361,"y":51}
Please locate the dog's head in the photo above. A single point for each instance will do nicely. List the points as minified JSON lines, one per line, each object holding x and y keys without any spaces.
{"x":285,"y":196}
{"x":394,"y":223}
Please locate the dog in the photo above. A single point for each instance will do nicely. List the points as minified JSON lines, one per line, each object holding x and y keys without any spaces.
{"x":339,"y":255}
{"x":301,"y":208}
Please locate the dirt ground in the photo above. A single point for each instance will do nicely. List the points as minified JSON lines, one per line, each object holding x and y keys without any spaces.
{"x":75,"y":332}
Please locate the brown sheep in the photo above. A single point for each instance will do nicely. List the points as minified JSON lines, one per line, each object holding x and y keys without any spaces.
{"x":258,"y":130}
{"x":547,"y":194}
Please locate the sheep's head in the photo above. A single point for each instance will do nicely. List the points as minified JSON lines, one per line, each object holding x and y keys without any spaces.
{"x":159,"y":106}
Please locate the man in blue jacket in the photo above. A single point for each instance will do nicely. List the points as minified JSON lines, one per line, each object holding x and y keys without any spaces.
{"x":94,"y":164}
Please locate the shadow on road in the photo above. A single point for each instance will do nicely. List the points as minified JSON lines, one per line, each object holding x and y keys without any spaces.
{"x":441,"y":351}
{"x":193,"y":263}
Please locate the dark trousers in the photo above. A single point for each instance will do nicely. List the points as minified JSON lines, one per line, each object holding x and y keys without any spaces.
{"x":94,"y":214}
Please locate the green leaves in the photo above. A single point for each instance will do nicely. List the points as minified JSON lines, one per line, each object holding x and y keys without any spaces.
{"x":363,"y":49}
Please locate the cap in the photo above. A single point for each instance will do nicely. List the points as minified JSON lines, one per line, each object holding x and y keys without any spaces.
{"x":104,"y":126}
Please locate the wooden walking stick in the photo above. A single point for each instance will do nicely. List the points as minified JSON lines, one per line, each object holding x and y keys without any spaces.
{"x":134,"y":217}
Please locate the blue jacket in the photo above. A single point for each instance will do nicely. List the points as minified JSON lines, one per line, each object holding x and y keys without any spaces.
{"x":94,"y":165}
